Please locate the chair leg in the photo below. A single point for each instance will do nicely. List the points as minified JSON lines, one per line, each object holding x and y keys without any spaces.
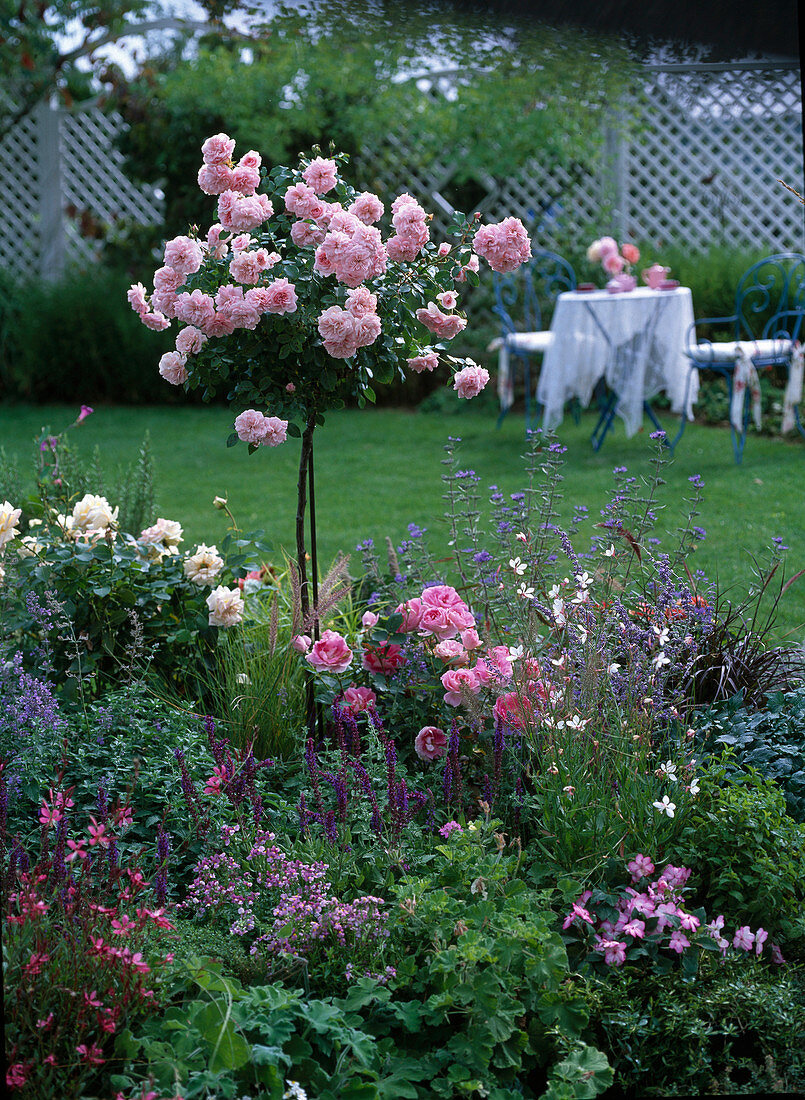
{"x":738,"y":440}
{"x":604,"y":422}
{"x":684,"y":418}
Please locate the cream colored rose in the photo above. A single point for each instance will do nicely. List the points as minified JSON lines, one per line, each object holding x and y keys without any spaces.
{"x":93,"y":513}
{"x":226,"y":606}
{"x":9,"y":518}
{"x":2,"y":574}
{"x":165,"y":534}
{"x":29,"y":547}
{"x":203,"y":566}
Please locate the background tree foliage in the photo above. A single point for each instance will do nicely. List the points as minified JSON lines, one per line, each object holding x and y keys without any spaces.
{"x":335,"y":71}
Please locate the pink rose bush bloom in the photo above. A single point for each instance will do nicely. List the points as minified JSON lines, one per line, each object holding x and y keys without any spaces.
{"x":445,"y":325}
{"x":172,"y":368}
{"x":218,"y":149}
{"x":358,"y":699}
{"x":382,"y":660}
{"x":253,"y":426}
{"x":190,"y":340}
{"x":321,"y":174}
{"x":428,"y":361}
{"x":330,"y":653}
{"x":430,"y":743}
{"x":504,"y":246}
{"x":367,"y":208}
{"x":456,"y":682}
{"x":214,"y":179}
{"x":301,"y":643}
{"x":280,"y":297}
{"x":184,"y":255}
{"x":243,"y":212}
{"x":469,"y":381}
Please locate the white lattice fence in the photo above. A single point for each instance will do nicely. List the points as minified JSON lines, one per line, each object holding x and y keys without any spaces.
{"x":63,"y":185}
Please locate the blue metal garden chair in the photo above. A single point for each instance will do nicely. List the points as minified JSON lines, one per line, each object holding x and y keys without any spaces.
{"x":519,"y":302}
{"x":766,"y":324}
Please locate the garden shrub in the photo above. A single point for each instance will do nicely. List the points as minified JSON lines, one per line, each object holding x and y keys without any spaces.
{"x":735,"y":1027}
{"x":771,"y":740}
{"x":747,"y":853}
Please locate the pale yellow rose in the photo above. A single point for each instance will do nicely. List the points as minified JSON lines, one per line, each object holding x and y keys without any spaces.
{"x":226,"y":606}
{"x":9,"y":518}
{"x":203,"y":566}
{"x":94,"y":513}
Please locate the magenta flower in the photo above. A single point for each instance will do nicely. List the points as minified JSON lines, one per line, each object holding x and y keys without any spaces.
{"x":760,"y":938}
{"x":640,"y":867}
{"x":635,"y":928}
{"x":743,"y":938}
{"x":86,"y":411}
{"x":450,"y":827}
{"x":679,"y":941}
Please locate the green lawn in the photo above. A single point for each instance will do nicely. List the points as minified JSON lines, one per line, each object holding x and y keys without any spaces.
{"x":377,"y":471}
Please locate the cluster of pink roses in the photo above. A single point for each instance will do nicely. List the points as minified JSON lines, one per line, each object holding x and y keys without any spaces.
{"x":605,"y":251}
{"x":357,"y":326}
{"x":255,"y":427}
{"x":504,"y":246}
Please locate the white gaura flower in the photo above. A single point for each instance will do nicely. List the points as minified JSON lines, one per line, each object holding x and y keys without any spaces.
{"x":609,"y":552}
{"x":555,"y":592}
{"x":614,"y":667}
{"x":662,"y":636}
{"x":525,"y":592}
{"x":518,"y":566}
{"x":666,"y":806}
{"x":668,"y":769}
{"x":584,"y":580}
{"x":515,"y":652}
{"x":559,"y":616}
{"x":659,"y":660}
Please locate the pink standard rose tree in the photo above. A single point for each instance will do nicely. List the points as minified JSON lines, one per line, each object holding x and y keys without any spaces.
{"x":303,"y":292}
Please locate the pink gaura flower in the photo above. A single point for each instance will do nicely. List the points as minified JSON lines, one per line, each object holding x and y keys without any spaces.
{"x":97,"y":834}
{"x":330,"y":653}
{"x":430,"y":743}
{"x":92,"y":1055}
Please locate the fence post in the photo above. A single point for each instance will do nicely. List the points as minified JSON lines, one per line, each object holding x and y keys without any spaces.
{"x":51,"y":215}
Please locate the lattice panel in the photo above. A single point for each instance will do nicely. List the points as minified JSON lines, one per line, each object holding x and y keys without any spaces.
{"x":20,"y":187}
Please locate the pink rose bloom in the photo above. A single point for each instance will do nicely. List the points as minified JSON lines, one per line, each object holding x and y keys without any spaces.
{"x":369,"y":620}
{"x":451,"y":651}
{"x":612,"y":263}
{"x":136,"y":295}
{"x":194,"y":308}
{"x":383,"y":660}
{"x":437,"y":621}
{"x":280,"y":297}
{"x":630,"y":253}
{"x":456,"y":679}
{"x":246,"y":267}
{"x":470,"y":639}
{"x":218,"y":149}
{"x":324,"y":260}
{"x":409,"y":220}
{"x":411,"y":612}
{"x":243,"y":212}
{"x":321,"y":175}
{"x":470,"y":381}
{"x":498,"y":658}
{"x":471,"y":265}
{"x":251,"y":426}
{"x":216,"y":246}
{"x":367,"y":207}
{"x":240,"y":243}
{"x":298,"y":198}
{"x":444,"y":249}
{"x":301,"y":643}
{"x":337,"y":330}
{"x":167,"y":279}
{"x":361,"y":301}
{"x":164,"y":302}
{"x":607,"y":245}
{"x":341,"y":221}
{"x":513,"y":711}
{"x":245,"y":179}
{"x":504,"y":246}
{"x":358,"y":699}
{"x":304,"y":235}
{"x":252,"y":159}
{"x":184,"y":255}
{"x":172,"y":368}
{"x":430,"y":743}
{"x":157,"y":322}
{"x":330,"y":653}
{"x":427,"y":362}
{"x":442,"y":595}
{"x":401,"y":250}
{"x":367,"y":329}
{"x":401,"y":200}
{"x":448,"y":299}
{"x":276,"y":431}
{"x":446,"y":325}
{"x":220,"y":324}
{"x":241,"y":311}
{"x":213,"y":179}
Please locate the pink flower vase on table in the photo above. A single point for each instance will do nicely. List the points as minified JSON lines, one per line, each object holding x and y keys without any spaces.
{"x":616,"y":263}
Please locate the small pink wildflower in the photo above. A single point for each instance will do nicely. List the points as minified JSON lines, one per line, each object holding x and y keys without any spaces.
{"x":743,"y":938}
{"x":678,"y":941}
{"x":450,"y":827}
{"x":640,"y":867}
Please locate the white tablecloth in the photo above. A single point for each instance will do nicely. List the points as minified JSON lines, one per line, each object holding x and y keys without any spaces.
{"x":635,"y":340}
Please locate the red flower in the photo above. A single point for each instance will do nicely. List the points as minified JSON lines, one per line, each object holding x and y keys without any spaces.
{"x":381,"y":660}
